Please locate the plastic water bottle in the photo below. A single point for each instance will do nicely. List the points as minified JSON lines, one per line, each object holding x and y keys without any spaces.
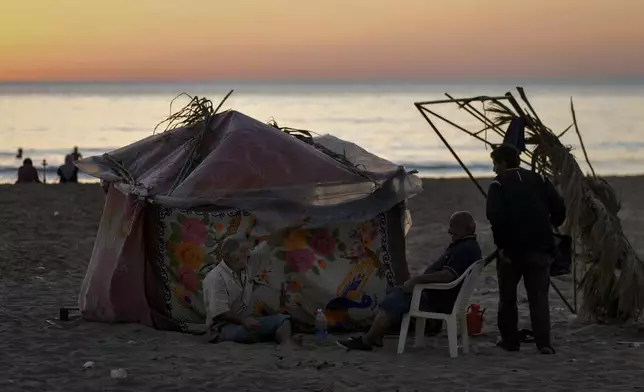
{"x":320,"y":326}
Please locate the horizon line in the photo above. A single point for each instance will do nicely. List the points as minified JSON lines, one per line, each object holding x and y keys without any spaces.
{"x":589,"y":80}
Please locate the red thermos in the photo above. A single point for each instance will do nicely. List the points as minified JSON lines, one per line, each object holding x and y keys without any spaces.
{"x":475,"y":320}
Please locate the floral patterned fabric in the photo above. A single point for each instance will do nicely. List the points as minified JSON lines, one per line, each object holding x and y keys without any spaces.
{"x":343,"y":270}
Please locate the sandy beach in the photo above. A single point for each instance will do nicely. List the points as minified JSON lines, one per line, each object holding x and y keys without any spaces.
{"x":46,"y":238}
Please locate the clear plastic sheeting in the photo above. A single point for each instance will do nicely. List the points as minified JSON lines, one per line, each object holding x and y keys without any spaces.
{"x":239,"y":162}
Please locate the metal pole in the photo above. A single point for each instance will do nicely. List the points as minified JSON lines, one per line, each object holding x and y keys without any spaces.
{"x":44,"y":171}
{"x":420,"y":109}
{"x":463,"y":129}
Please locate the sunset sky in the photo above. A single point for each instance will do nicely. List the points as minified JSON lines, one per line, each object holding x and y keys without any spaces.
{"x":103,"y":40}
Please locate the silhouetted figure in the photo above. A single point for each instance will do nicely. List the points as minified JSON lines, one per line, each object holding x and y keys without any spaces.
{"x":68,"y":172}
{"x":19,"y":154}
{"x":523,"y":207}
{"x":27,"y":173}
{"x":76,"y":155}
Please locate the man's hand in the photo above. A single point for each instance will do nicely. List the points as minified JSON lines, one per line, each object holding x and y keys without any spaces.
{"x":251,"y":324}
{"x":408,"y":286}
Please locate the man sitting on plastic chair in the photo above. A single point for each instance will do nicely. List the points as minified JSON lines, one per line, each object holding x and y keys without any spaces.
{"x":462,"y":252}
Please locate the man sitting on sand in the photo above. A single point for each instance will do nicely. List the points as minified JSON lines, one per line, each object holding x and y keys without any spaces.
{"x":227,"y":294}
{"x":462,"y":252}
{"x":27,"y":173}
{"x":68,"y":172}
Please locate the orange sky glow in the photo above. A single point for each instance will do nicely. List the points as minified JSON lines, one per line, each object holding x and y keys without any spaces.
{"x":105,"y":40}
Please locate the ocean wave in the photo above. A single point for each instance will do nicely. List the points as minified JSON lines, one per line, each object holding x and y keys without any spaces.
{"x":52,"y":153}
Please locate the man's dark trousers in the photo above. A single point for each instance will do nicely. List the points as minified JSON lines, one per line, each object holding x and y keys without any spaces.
{"x":535,"y":269}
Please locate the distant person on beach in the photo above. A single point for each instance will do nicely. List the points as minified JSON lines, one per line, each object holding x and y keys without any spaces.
{"x":227,"y":294}
{"x":68,"y":172}
{"x":27,"y":173}
{"x":76,"y":155}
{"x":523,"y":207}
{"x":462,"y":252}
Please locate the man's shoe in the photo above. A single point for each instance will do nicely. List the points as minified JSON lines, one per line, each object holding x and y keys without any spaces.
{"x":508,"y":346}
{"x":546,"y":350}
{"x":354,"y":344}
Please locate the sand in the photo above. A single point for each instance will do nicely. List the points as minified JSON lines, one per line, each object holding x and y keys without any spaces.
{"x":46,"y":238}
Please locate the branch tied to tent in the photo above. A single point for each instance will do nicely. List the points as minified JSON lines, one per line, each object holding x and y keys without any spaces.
{"x":612,"y":281}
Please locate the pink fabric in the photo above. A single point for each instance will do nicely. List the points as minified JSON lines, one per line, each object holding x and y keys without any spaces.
{"x":114,"y":286}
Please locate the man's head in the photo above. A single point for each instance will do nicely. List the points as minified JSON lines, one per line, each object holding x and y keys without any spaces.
{"x":461,"y":224}
{"x":505,"y":157}
{"x":27,"y":162}
{"x":234,"y":251}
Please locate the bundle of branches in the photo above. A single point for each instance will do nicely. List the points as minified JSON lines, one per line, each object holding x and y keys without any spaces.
{"x":613,"y":275}
{"x":198,"y":112}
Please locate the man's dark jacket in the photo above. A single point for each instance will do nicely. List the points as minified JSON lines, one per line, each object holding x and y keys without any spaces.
{"x":523,"y":207}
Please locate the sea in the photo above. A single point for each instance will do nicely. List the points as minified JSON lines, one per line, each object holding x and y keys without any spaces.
{"x":46,"y":120}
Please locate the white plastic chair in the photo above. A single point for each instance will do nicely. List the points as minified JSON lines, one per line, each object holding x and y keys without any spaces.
{"x":458,"y":312}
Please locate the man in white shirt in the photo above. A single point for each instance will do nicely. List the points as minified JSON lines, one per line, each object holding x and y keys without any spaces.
{"x":227,"y":295}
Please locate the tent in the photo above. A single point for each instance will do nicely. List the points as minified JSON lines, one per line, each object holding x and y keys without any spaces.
{"x":174,"y":196}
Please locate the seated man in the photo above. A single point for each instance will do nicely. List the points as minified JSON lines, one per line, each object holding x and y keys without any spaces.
{"x":27,"y":173}
{"x":227,"y":295}
{"x":463,"y":251}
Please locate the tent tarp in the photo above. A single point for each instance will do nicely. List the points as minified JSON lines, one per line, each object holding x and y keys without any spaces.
{"x":245,"y":164}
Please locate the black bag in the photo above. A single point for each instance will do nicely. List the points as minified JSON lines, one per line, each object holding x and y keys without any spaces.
{"x":562,"y":261}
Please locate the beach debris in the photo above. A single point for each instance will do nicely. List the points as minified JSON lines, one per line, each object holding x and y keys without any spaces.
{"x":88,"y":365}
{"x":632,"y":344}
{"x":53,"y":324}
{"x":118,"y":374}
{"x":56,"y":213}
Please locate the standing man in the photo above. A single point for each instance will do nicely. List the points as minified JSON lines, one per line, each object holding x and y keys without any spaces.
{"x":523,"y":207}
{"x":76,"y":155}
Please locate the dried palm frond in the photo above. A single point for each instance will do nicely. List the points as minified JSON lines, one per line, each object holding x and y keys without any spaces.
{"x":198,"y":112}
